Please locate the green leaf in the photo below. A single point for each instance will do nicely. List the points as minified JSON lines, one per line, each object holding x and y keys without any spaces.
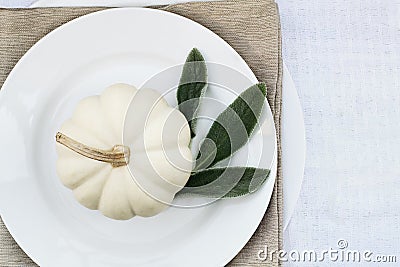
{"x":232,"y":128}
{"x":226,"y":182}
{"x":192,"y":86}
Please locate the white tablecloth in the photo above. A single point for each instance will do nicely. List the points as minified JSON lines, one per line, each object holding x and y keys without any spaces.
{"x":344,"y":57}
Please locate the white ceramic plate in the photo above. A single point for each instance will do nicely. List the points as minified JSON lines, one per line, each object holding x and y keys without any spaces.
{"x":79,"y":59}
{"x":293,"y":131}
{"x":293,"y":145}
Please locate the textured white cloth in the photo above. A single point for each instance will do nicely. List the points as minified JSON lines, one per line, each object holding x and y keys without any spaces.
{"x":344,"y":57}
{"x":16,"y":3}
{"x":108,"y":3}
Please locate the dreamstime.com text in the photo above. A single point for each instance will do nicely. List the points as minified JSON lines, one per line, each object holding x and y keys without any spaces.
{"x":339,"y":254}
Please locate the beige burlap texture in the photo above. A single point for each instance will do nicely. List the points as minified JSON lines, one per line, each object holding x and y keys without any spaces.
{"x":251,"y":27}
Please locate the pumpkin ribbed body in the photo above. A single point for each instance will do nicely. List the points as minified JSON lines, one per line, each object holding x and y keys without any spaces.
{"x":160,"y":162}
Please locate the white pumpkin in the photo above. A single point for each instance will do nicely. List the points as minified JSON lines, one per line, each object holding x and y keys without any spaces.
{"x":124,"y":152}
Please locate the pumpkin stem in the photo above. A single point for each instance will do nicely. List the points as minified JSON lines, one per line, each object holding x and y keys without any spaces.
{"x":118,"y":156}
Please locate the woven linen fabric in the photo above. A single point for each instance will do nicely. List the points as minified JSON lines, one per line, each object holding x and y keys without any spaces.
{"x":251,"y":27}
{"x":344,"y":57}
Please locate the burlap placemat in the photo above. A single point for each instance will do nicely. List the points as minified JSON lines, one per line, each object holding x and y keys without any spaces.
{"x":251,"y":27}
